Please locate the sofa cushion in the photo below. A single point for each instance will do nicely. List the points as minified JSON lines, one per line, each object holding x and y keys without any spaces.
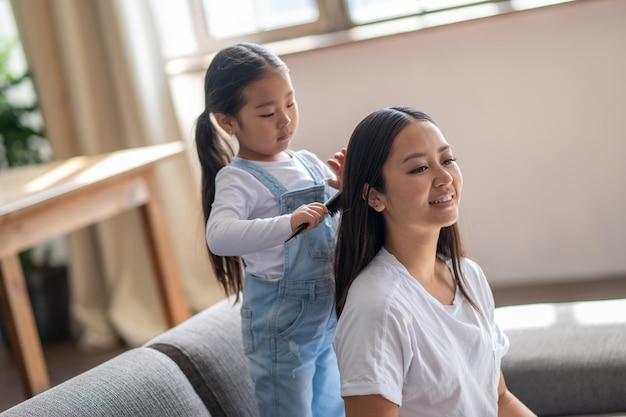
{"x":209,"y":350}
{"x":567,"y":358}
{"x":138,"y":382}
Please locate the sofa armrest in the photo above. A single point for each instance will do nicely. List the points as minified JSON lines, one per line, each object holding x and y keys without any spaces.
{"x":209,"y":350}
{"x":138,"y":382}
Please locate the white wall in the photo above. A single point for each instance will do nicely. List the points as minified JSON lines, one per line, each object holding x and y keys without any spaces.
{"x":534,"y":104}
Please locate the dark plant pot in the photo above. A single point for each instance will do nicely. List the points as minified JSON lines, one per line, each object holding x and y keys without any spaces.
{"x":48,"y":290}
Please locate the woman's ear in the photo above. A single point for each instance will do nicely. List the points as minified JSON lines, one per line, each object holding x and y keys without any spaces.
{"x":227,"y":123}
{"x":374,"y":198}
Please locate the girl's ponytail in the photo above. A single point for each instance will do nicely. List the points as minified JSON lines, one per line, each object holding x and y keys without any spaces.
{"x":214,"y":153}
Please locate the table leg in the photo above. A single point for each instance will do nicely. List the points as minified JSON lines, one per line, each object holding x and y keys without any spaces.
{"x":21,"y":327}
{"x":171,"y":289}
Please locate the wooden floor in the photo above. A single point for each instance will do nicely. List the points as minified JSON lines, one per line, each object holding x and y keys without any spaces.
{"x":65,"y":360}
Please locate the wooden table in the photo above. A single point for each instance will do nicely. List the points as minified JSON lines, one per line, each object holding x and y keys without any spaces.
{"x":40,"y":202}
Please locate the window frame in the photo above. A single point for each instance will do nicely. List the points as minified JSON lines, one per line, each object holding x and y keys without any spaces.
{"x":333,"y":16}
{"x":334,"y":27}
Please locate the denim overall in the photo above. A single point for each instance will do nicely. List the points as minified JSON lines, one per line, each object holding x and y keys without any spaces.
{"x":288,"y":325}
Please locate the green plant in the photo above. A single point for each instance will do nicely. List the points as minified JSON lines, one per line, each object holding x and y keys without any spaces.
{"x":22,"y":141}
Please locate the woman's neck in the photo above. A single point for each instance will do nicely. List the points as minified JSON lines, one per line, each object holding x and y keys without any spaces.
{"x":418,"y":254}
{"x":419,"y":257}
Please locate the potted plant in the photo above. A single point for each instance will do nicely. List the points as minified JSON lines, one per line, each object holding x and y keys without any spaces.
{"x":22,"y":142}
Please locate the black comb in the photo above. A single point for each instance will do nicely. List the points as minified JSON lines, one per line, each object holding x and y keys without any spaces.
{"x":333,"y":205}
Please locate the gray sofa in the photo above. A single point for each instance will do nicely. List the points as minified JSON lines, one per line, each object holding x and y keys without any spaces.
{"x":567,"y":358}
{"x":197,"y":369}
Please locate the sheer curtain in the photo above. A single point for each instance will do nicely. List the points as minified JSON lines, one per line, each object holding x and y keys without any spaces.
{"x":101,"y":84}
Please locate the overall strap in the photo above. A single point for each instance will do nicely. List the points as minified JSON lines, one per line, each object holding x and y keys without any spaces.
{"x":317,"y":176}
{"x":267,"y":179}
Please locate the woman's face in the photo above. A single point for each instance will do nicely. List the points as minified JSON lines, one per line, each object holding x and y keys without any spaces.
{"x":423,"y":181}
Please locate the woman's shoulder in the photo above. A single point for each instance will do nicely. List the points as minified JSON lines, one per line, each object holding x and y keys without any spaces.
{"x":380,"y":269}
{"x":376,"y":285}
{"x":477,"y":281}
{"x":470,"y":266}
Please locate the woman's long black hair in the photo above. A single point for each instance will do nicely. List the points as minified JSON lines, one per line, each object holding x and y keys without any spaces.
{"x":230,"y":72}
{"x":362,"y":229}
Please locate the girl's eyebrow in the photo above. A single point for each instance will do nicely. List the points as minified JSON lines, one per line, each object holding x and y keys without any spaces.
{"x":423,"y":154}
{"x":269,"y":103}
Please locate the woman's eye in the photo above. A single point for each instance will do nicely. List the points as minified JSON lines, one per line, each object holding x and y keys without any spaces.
{"x":449,"y":161}
{"x":291,"y":104}
{"x":267,"y":115}
{"x":419,"y":169}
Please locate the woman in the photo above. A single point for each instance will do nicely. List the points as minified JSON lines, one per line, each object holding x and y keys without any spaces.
{"x":416,"y":334}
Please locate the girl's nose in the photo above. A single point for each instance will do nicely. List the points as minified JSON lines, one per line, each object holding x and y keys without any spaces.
{"x":284,"y":120}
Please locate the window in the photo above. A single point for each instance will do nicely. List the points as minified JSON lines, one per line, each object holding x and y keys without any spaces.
{"x":243,"y":17}
{"x":194,"y":29}
{"x":191,"y":31}
{"x":201,"y":27}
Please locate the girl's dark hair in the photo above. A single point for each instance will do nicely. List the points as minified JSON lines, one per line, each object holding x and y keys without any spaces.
{"x":362,"y":229}
{"x":232,"y":70}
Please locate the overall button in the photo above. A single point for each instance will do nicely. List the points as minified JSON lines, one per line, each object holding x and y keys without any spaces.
{"x":290,"y":202}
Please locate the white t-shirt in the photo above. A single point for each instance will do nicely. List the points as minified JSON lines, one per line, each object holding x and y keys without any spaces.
{"x":396,"y":340}
{"x":245,"y":217}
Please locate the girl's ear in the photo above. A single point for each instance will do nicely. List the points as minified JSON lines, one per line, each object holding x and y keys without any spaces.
{"x":374,"y":198}
{"x":226,"y":122}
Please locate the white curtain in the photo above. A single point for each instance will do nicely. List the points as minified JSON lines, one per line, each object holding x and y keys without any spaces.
{"x":101,"y":85}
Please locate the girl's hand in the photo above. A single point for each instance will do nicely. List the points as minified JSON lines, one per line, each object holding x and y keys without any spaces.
{"x":336,"y":164}
{"x":312,"y":213}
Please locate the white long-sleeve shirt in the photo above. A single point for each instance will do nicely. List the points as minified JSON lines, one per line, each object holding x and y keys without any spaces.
{"x":245,"y":218}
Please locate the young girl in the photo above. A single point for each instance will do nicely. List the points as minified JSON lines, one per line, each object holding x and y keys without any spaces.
{"x":252,"y":203}
{"x":416,"y":333}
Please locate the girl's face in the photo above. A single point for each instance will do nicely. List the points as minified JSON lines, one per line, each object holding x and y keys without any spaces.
{"x":423,"y":181}
{"x":266,"y":123}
